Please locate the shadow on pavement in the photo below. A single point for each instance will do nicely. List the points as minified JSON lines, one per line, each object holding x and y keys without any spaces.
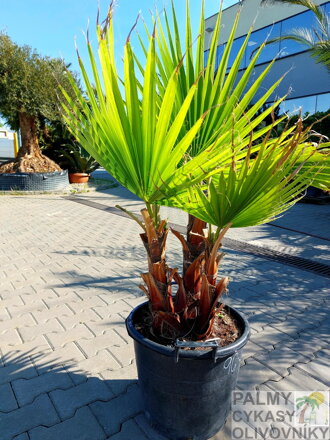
{"x":47,"y":399}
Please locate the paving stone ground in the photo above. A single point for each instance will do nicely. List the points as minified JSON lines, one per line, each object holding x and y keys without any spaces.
{"x":68,"y":278}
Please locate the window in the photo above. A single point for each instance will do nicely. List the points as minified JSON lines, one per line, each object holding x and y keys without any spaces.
{"x":220,"y":50}
{"x":258,"y":37}
{"x":282,"y":48}
{"x":237,"y":44}
{"x":323,"y":102}
{"x":206,"y":56}
{"x":304,"y":20}
{"x":306,"y":104}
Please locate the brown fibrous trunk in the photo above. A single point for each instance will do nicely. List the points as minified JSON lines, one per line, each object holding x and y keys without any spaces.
{"x":29,"y":158}
{"x":191,"y":309}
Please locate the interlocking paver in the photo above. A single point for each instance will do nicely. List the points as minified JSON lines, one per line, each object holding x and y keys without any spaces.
{"x":55,"y":312}
{"x":251,"y":349}
{"x":62,"y":338}
{"x":68,"y":401}
{"x":124,"y":353}
{"x":7,"y":398}
{"x":118,"y":410}
{"x":29,"y":333}
{"x":93,"y":345}
{"x":102,"y":326}
{"x":297,"y":380}
{"x":116,"y":307}
{"x":280,"y":359}
{"x":22,"y":437}
{"x":103,"y":360}
{"x":295,"y":326}
{"x":18,"y":322}
{"x":80,"y":318}
{"x":27,"y":390}
{"x":120,"y":380}
{"x":10,"y":337}
{"x":254,"y":373}
{"x":318,"y":369}
{"x":40,"y":412}
{"x":48,"y":359}
{"x":133,"y":429}
{"x":17,"y":367}
{"x":321,"y":331}
{"x":269,"y":336}
{"x":66,"y":292}
{"x":83,"y":426}
{"x":305,"y":344}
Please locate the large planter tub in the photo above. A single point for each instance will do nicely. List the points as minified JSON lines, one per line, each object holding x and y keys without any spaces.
{"x":55,"y":181}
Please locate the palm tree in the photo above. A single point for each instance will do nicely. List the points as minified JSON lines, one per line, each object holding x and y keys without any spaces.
{"x":314,"y":400}
{"x":316,"y":39}
{"x":175,"y":134}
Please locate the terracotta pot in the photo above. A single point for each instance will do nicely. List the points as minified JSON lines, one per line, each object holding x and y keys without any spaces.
{"x":78,"y":177}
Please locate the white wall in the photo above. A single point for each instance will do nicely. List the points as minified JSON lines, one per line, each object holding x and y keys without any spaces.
{"x":6,"y":144}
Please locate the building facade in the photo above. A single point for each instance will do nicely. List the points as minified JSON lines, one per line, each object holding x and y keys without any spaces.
{"x":307,"y":82}
{"x":7,"y":145}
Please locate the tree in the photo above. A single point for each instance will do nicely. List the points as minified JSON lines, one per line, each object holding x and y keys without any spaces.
{"x":29,"y":84}
{"x":177,"y":135}
{"x":316,"y":39}
{"x":314,"y":400}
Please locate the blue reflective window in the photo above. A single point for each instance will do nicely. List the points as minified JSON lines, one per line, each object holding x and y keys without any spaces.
{"x":307,"y":104}
{"x":258,"y":37}
{"x":325,"y":7}
{"x":237,"y":44}
{"x":206,"y":55}
{"x":304,"y":20}
{"x":323,"y":102}
{"x":220,"y":50}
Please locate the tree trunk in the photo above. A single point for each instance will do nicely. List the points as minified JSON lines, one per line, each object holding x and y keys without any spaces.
{"x":302,"y":414}
{"x":29,"y":133}
{"x":29,"y":158}
{"x":195,"y":241}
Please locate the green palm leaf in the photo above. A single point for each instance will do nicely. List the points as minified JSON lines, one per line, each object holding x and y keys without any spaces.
{"x":136,"y":140}
{"x":168,"y":128}
{"x":253,"y":191}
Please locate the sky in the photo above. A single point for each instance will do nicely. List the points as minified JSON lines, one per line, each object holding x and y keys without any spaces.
{"x":51,"y":26}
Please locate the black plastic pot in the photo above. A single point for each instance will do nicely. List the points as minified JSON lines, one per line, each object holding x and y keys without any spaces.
{"x":186,"y":393}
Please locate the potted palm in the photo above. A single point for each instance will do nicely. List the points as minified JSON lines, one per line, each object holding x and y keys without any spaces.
{"x":178,"y":134}
{"x":79,"y":163}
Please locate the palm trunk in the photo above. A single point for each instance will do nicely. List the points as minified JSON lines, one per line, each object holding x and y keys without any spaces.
{"x":192,"y":310}
{"x":302,"y":414}
{"x":195,"y":241}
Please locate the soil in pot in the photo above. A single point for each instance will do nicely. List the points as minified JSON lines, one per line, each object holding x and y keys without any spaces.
{"x":225,"y":328}
{"x":78,"y":177}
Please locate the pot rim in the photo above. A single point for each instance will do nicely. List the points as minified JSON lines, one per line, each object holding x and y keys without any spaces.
{"x":46,"y":173}
{"x":222,"y":352}
{"x":80,"y":174}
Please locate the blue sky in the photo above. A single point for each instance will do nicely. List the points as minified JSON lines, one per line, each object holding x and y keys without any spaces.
{"x":50,"y":26}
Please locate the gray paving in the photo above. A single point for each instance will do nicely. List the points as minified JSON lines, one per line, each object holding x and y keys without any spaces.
{"x":69,"y":276}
